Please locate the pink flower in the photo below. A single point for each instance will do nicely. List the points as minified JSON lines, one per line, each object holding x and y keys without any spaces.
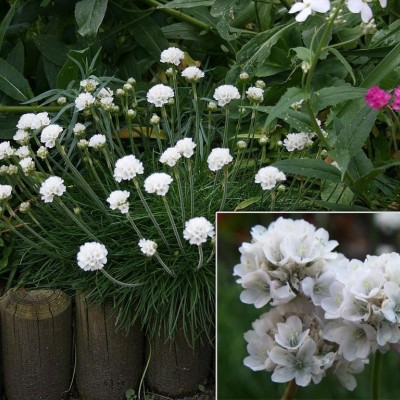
{"x":377,"y":98}
{"x":396,"y":100}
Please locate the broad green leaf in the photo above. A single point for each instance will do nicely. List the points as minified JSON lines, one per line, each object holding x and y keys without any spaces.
{"x":70,"y":71}
{"x":291,"y":96}
{"x":6,"y":21}
{"x":247,"y":203}
{"x":259,"y":48}
{"x":331,"y":96}
{"x":181,"y":30}
{"x":310,"y":168}
{"x":187,"y":3}
{"x":51,"y":48}
{"x":344,"y":62}
{"x":16,"y":57}
{"x":89,"y":15}
{"x":304,"y":54}
{"x":13,"y":83}
{"x":337,"y":193}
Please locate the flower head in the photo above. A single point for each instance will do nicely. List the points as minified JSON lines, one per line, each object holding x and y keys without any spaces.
{"x":23,"y":152}
{"x":396,"y":99}
{"x":297,"y":141}
{"x":6,"y":150}
{"x":53,"y":186}
{"x":119,"y":200}
{"x":97,"y":142}
{"x":84,"y":100}
{"x":197,"y":230}
{"x":5,"y":192}
{"x":32,"y":121}
{"x":192,"y":74}
{"x":158,"y":183}
{"x":268,"y":177}
{"x":224,"y":94}
{"x":170,"y":156}
{"x":42,"y":152}
{"x":27,"y":165}
{"x":92,"y":256}
{"x":21,"y":137}
{"x":79,"y":129}
{"x":306,"y":7}
{"x":255,"y":94}
{"x":218,"y":158}
{"x":172,"y":55}
{"x":127,"y":168}
{"x":377,"y":98}
{"x":185,"y":147}
{"x":148,"y":247}
{"x":362,"y":7}
{"x":89,"y":85}
{"x":159,"y":95}
{"x":50,"y":134}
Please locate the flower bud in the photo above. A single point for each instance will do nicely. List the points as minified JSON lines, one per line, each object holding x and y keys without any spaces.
{"x":155,"y":119}
{"x":127,"y":87}
{"x":131,"y":81}
{"x":241,"y":145}
{"x":211,"y":106}
{"x":260,"y":84}
{"x":61,"y":101}
{"x":131,"y":113}
{"x":244,"y":76}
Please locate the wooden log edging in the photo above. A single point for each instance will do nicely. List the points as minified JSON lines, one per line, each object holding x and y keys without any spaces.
{"x":109,"y":361}
{"x":36,"y":335}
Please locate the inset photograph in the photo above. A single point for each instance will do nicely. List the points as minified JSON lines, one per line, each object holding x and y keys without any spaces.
{"x":308,"y":305}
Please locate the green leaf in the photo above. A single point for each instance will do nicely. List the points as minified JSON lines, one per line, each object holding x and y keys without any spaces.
{"x":344,"y":62}
{"x":51,"y":48}
{"x":16,"y":57}
{"x":6,"y":21}
{"x":70,"y":71}
{"x":187,"y":3}
{"x":181,"y":30}
{"x":291,"y":96}
{"x":331,"y":96}
{"x":247,"y":203}
{"x":304,"y":54}
{"x":337,"y":193}
{"x":89,"y":15}
{"x":13,"y":83}
{"x":259,"y":47}
{"x":310,"y":168}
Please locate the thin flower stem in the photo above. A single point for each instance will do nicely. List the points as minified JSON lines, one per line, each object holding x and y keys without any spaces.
{"x":167,"y":126}
{"x":225,"y":188}
{"x":134,"y":226}
{"x":164,"y":265}
{"x":191,"y":187}
{"x":273,"y":199}
{"x":157,"y":128}
{"x":201,"y":258}
{"x":181,"y":199}
{"x":211,"y":256}
{"x":117,"y":282}
{"x":198,"y":138}
{"x":225,"y":137}
{"x":290,"y":391}
{"x":171,"y":219}
{"x":149,"y":212}
{"x":376,"y":373}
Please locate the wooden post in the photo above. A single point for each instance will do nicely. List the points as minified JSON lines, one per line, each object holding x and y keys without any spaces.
{"x":176,"y":369}
{"x":36,"y":339}
{"x":109,"y":361}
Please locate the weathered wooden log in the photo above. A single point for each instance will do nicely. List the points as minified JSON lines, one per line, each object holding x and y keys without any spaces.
{"x":109,"y":360}
{"x":37,"y":347}
{"x":176,"y":368}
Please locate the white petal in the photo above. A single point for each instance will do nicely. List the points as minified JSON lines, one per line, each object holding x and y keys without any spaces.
{"x":355,"y":6}
{"x":282,"y":375}
{"x":366,"y":13}
{"x":303,"y":15}
{"x":303,"y":378}
{"x":296,"y":7}
{"x":254,"y":364}
{"x":321,"y":6}
{"x":281,"y":357}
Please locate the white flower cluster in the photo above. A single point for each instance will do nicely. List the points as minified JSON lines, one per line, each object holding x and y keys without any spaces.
{"x":218,"y":158}
{"x":5,"y":192}
{"x":127,"y":168}
{"x":50,"y":135}
{"x":183,"y":148}
{"x":84,"y":101}
{"x":118,"y":200}
{"x":53,"y":186}
{"x":159,"y":95}
{"x":388,"y":222}
{"x":224,"y":94}
{"x":172,"y":55}
{"x":148,"y":247}
{"x":197,"y":230}
{"x":298,"y":141}
{"x":97,"y":142}
{"x":6,"y":150}
{"x":92,"y":256}
{"x":268,"y":177}
{"x":305,"y":8}
{"x":329,"y":313}
{"x":192,"y":74}
{"x":106,"y":99}
{"x":30,"y":122}
{"x":158,"y":183}
{"x":255,"y":94}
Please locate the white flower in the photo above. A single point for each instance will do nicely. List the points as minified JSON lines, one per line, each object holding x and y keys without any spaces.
{"x":127,"y":168}
{"x":388,"y":222}
{"x":92,"y":256}
{"x":306,"y":7}
{"x":148,"y":247}
{"x":172,"y":55}
{"x":192,"y":74}
{"x":290,"y":334}
{"x":79,"y":129}
{"x":107,"y":103}
{"x":296,"y":141}
{"x":27,"y":165}
{"x":159,"y":95}
{"x":257,"y":288}
{"x":118,"y":200}
{"x":32,"y":121}
{"x":185,"y":147}
{"x":6,"y":150}
{"x":197,"y":229}
{"x":5,"y":192}
{"x":42,"y":119}
{"x":104,"y":92}
{"x":21,"y":137}
{"x":24,"y":207}
{"x":155,"y":119}
{"x":88,"y":84}
{"x":53,"y":186}
{"x":42,"y":152}
{"x":50,"y":134}
{"x":158,"y":183}
{"x":84,"y":100}
{"x":218,"y":158}
{"x":300,"y":366}
{"x":82,"y":144}
{"x":391,"y":306}
{"x":170,"y":156}
{"x":362,"y":7}
{"x":255,"y":94}
{"x":97,"y":142}
{"x":23,"y":152}
{"x":383,"y":3}
{"x":268,"y":177}
{"x":224,"y":94}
